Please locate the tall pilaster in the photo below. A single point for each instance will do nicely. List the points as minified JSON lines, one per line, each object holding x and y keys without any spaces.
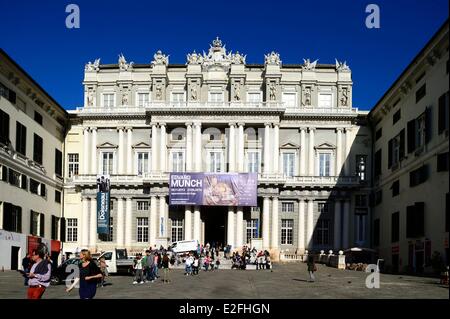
{"x":188,"y":223}
{"x":240,"y":144}
{"x":348,"y":146}
{"x":120,"y":222}
{"x":129,"y":151}
{"x":338,"y":151}
{"x":197,"y":223}
{"x":266,"y":223}
{"x":346,"y":224}
{"x":232,"y":148}
{"x":121,"y":150}
{"x":189,"y":166}
{"x":162,"y":217}
{"x":163,"y":148}
{"x":337,"y":225}
{"x":311,"y":153}
{"x":85,"y":222}
{"x":310,"y":224}
{"x":198,"y":147}
{"x":230,"y":227}
{"x":301,"y":226}
{"x":276,"y":148}
{"x":94,"y":151}
{"x":267,"y":155}
{"x":302,"y":151}
{"x":153,"y":219}
{"x":85,"y":155}
{"x":155,"y":153}
{"x":128,"y":222}
{"x":275,"y":223}
{"x":239,"y":227}
{"x":93,"y":223}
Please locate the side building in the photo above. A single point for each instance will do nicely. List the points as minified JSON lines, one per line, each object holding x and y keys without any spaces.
{"x":32,"y":133}
{"x":292,"y":124}
{"x":410,"y":126}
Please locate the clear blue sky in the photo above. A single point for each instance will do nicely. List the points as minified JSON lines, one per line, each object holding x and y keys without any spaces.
{"x":35,"y":36}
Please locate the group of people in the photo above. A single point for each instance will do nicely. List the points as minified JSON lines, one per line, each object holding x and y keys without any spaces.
{"x":147,"y":267}
{"x":193,"y":262}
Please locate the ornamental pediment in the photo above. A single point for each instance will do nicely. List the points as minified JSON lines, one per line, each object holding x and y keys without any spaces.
{"x":107,"y":145}
{"x":141,"y":145}
{"x":325,"y":146}
{"x":290,"y":145}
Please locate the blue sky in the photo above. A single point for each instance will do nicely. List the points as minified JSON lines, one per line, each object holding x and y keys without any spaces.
{"x":35,"y":36}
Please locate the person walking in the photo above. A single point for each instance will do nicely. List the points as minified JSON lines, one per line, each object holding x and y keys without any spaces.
{"x":195,"y":266}
{"x":89,"y":275}
{"x":148,"y":262}
{"x":311,"y":267}
{"x":165,"y":266}
{"x":39,"y":275}
{"x":26,"y":265}
{"x":104,"y":270}
{"x":138,"y":278}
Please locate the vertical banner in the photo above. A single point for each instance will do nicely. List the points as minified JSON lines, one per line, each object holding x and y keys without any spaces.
{"x":103,"y":201}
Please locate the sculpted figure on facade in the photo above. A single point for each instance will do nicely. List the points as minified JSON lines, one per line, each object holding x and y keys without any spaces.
{"x":307,"y":96}
{"x":90,"y":97}
{"x":308,"y":65}
{"x":125,"y":98}
{"x":344,"y":96}
{"x":272,"y":92}
{"x":123,"y":64}
{"x":342,"y":66}
{"x":237,"y":58}
{"x":194,"y":91}
{"x":194,"y":58}
{"x":237,"y":91}
{"x":158,"y":91}
{"x":272,"y":58}
{"x":160,"y":59}
{"x":92,"y":66}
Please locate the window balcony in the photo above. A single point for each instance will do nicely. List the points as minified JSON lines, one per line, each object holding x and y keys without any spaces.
{"x":91,"y":179}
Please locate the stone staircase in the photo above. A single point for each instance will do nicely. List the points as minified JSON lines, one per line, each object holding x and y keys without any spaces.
{"x":225,"y":264}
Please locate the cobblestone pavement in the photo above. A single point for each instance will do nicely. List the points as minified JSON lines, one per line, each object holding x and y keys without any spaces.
{"x":287,"y":281}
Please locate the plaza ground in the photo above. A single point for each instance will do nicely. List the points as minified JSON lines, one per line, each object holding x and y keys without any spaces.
{"x":287,"y":281}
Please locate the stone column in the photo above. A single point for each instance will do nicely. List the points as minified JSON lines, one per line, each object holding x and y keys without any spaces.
{"x":266,"y":221}
{"x":310,"y":224}
{"x":276,"y":148}
{"x":189,"y":147}
{"x":302,"y":151}
{"x":338,"y":151}
{"x":188,"y":223}
{"x":267,"y":155}
{"x":85,"y":155}
{"x":348,"y":146}
{"x":337,"y":225}
{"x":275,"y":244}
{"x":203,"y":233}
{"x":232,"y":148}
{"x":198,"y":147}
{"x":230,"y":227}
{"x":94,"y":151}
{"x":153,"y":219}
{"x":197,"y":223}
{"x":239,"y":227}
{"x":128,"y":222}
{"x":120,"y":222}
{"x":162,"y":217}
{"x":240,"y":144}
{"x":120,"y":150}
{"x":155,"y":153}
{"x":129,"y":151}
{"x":163,"y":148}
{"x":345,"y":224}
{"x":301,"y":226}
{"x":311,"y":155}
{"x":93,"y":223}
{"x":85,"y":222}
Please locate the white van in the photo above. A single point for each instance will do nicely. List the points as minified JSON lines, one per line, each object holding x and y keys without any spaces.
{"x":185,"y":246}
{"x":117,"y":261}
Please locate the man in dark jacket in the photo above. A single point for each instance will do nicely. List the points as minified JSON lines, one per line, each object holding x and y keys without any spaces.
{"x":26,"y":265}
{"x":311,"y":267}
{"x":149,"y":262}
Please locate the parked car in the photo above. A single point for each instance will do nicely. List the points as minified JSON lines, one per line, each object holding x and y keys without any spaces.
{"x":60,"y":273}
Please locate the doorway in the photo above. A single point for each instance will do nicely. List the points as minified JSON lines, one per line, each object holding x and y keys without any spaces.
{"x":15,"y":257}
{"x":419,"y":261}
{"x":215,"y":219}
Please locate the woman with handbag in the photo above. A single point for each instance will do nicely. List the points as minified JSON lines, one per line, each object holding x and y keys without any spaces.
{"x":311,"y":267}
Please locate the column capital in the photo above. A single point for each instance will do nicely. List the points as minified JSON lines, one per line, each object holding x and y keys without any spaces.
{"x":339,"y":129}
{"x":303,"y":128}
{"x":348,"y":129}
{"x":197,"y":123}
{"x":301,"y":200}
{"x":241,"y":124}
{"x":161,"y":124}
{"x":275,"y":197}
{"x":312,"y":129}
{"x":188,"y":124}
{"x":267,"y":124}
{"x":120,"y":128}
{"x":276,"y":125}
{"x":129,"y":128}
{"x":86,"y":130}
{"x":93,"y":128}
{"x":153,"y":124}
{"x":232,"y":124}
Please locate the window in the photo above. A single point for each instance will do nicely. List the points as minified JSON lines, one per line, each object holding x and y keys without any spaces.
{"x":322,"y":232}
{"x":177,"y":136}
{"x":177,"y":97}
{"x":325,"y":100}
{"x":253,"y":162}
{"x":377,"y":169}
{"x":396,"y":150}
{"x":34,"y":186}
{"x":58,"y":196}
{"x":287,"y":226}
{"x":419,"y":131}
{"x":12,"y":217}
{"x":108,"y":100}
{"x":42,"y":190}
{"x":143,"y":99}
{"x":72,"y":230}
{"x":395,"y":227}
{"x":215,"y":162}
{"x":361,"y":167}
{"x":254,"y":97}
{"x":58,"y":162}
{"x":34,"y":223}
{"x":251,"y":230}
{"x":111,"y":229}
{"x":418,"y":176}
{"x":111,"y":205}
{"x":24,"y":182}
{"x":4,"y":128}
{"x":376,"y":232}
{"x":142,"y":205}
{"x":360,"y":225}
{"x":378,"y":134}
{"x":289,"y":99}
{"x":378,"y":197}
{"x":360,"y":201}
{"x":38,"y":117}
{"x":21,"y":139}
{"x":216,"y":97}
{"x":143,"y":163}
{"x":420,"y":77}
{"x":287,"y":207}
{"x":442,"y":162}
{"x":396,"y":117}
{"x":55,"y":227}
{"x":323,"y":208}
{"x":395,"y":188}
{"x":177,"y":230}
{"x":37,"y":149}
{"x":324,"y":164}
{"x":142,"y":229}
{"x":289,"y":164}
{"x":421,"y":92}
{"x":14,"y":178}
{"x":415,"y":220}
{"x":8,"y":94}
{"x":177,"y":161}
{"x":107,"y":163}
{"x":443,"y":113}
{"x":74,"y":164}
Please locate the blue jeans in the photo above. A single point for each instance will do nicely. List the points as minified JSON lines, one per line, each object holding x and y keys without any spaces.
{"x":149,"y":274}
{"x":26,"y":278}
{"x":155,"y":271}
{"x":188,"y":269}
